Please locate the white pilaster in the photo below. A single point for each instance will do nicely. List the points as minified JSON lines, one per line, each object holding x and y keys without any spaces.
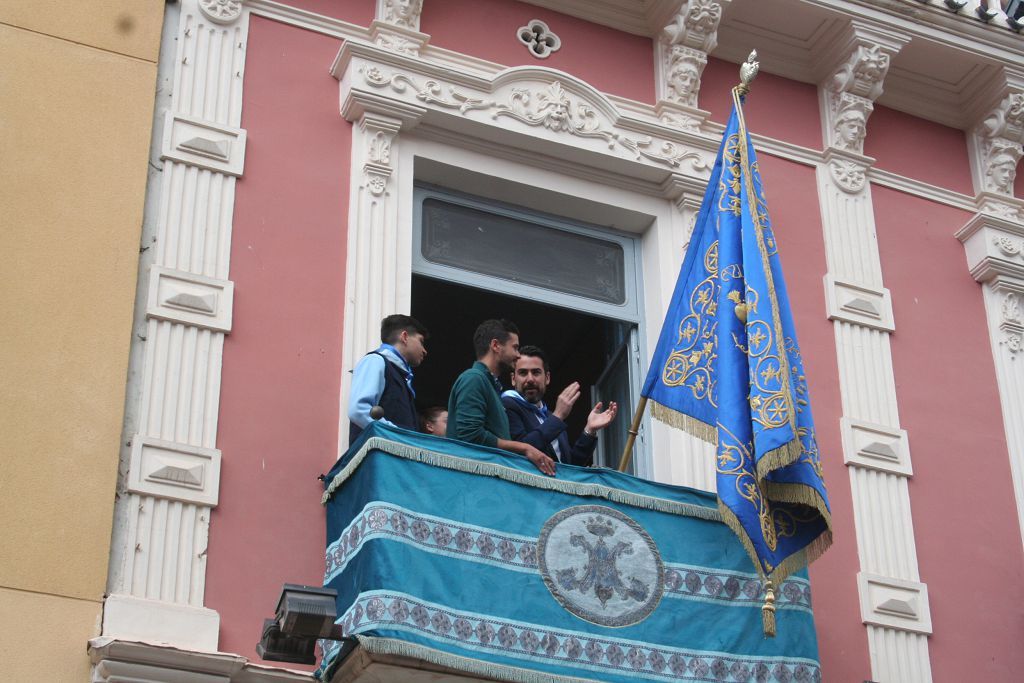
{"x":172,"y":469}
{"x":994,"y":242}
{"x":379,"y":245}
{"x":894,"y":602}
{"x":995,"y":257}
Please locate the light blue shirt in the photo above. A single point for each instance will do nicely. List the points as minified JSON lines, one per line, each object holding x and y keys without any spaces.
{"x":368,"y":384}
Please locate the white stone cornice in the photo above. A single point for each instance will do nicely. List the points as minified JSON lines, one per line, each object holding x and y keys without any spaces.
{"x":128,"y":660}
{"x":994,"y":247}
{"x":917,"y":188}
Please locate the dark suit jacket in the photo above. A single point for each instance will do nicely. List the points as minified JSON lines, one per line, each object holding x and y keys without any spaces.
{"x":524,"y":426}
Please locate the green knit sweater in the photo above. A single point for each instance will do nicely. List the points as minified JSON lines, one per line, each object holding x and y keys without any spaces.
{"x":475,"y":412}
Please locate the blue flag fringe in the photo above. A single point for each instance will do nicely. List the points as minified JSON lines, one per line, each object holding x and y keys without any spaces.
{"x":728,"y":370}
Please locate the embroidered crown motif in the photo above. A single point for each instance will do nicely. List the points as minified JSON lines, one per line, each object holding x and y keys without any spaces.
{"x":599,"y":526}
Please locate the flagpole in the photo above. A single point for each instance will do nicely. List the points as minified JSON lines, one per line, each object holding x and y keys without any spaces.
{"x":627,"y":453}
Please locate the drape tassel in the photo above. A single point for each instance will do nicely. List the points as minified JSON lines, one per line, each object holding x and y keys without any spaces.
{"x":768,"y":610}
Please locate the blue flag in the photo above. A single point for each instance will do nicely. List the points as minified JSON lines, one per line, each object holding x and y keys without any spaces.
{"x":727,"y":369}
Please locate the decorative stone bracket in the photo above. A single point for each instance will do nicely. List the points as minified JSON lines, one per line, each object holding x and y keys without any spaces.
{"x":995,"y":143}
{"x":862,"y":61}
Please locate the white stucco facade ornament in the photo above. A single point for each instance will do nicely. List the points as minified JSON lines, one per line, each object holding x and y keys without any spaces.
{"x":540,"y":40}
{"x":848,"y":94}
{"x":995,"y":145}
{"x":221,"y":11}
{"x":404,"y":13}
{"x":683,"y":48}
{"x":848,"y":175}
{"x":548,"y":106}
{"x":849,"y":121}
{"x":695,"y":25}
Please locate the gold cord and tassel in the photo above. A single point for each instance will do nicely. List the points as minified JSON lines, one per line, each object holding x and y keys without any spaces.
{"x":768,"y":610}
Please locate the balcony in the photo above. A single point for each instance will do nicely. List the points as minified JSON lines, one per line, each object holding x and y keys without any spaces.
{"x":465,"y":561}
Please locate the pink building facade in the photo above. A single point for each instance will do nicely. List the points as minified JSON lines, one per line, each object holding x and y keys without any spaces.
{"x":297,"y":141}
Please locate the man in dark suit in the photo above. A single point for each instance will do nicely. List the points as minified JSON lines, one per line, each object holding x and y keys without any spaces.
{"x":530,"y":420}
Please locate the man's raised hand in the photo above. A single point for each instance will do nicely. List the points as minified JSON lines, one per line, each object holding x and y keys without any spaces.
{"x":598,"y":419}
{"x":566,"y":400}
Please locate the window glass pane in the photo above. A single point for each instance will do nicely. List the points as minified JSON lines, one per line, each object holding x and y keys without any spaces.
{"x":517,"y":250}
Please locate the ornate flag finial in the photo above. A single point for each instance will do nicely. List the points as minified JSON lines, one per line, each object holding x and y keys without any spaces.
{"x":748,"y":71}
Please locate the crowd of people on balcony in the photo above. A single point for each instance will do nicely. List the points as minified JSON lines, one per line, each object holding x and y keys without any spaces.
{"x":478,"y":411}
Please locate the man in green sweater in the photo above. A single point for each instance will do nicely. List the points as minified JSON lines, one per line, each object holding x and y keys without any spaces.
{"x":475,"y":411}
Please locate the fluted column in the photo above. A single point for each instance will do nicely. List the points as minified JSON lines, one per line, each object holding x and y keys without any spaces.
{"x":994,"y":242}
{"x":171,"y":472}
{"x":894,"y":601}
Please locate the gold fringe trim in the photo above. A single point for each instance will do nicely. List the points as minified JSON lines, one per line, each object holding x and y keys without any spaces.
{"x":516,"y":476}
{"x":690,"y":425}
{"x":778,"y":458}
{"x":798,"y":494}
{"x":793,"y":563}
{"x":500,"y":672}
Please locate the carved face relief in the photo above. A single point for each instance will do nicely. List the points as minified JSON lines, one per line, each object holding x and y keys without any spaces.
{"x":1001,"y":172}
{"x":684,"y":80}
{"x":403,"y":12}
{"x":850,"y":129}
{"x":1015,"y":109}
{"x":871,"y":66}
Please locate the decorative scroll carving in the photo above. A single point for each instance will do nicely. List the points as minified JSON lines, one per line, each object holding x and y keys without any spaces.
{"x":221,"y":11}
{"x":550,"y":107}
{"x":667,"y":153}
{"x":1008,"y":246}
{"x":397,"y":43}
{"x":404,"y":13}
{"x":1011,"y":310}
{"x":848,"y":175}
{"x":538,"y":38}
{"x":553,"y":109}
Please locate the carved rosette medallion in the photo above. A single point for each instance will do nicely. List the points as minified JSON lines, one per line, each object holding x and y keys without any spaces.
{"x":849,"y":176}
{"x":221,"y":11}
{"x":601,"y":565}
{"x":1008,"y":246}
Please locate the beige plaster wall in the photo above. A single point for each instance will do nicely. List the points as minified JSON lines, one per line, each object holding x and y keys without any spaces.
{"x":44,"y":636}
{"x":76,"y":103}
